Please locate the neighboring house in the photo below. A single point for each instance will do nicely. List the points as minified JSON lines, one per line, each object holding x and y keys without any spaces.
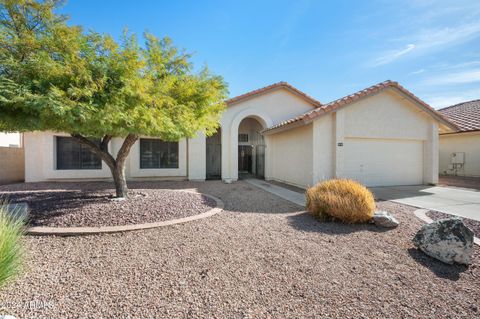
{"x":10,"y":140}
{"x":460,"y":151}
{"x":382,"y":135}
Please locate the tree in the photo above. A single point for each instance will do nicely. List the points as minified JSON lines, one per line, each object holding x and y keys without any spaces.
{"x":57,"y":77}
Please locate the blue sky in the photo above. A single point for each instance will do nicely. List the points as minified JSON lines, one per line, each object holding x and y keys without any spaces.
{"x":327,"y":49}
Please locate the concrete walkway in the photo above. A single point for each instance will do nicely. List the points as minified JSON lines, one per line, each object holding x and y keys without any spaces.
{"x":284,"y":193}
{"x":455,"y":201}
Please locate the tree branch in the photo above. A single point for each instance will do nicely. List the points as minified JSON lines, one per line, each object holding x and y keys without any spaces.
{"x":104,"y":154}
{"x":125,"y":149}
{"x":104,"y":144}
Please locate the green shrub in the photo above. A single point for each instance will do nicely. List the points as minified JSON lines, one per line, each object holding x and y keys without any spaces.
{"x":341,"y":199}
{"x":11,"y":250}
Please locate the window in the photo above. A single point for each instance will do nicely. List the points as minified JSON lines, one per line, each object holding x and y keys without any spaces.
{"x":155,"y":153}
{"x":73,"y":155}
{"x":243,"y":138}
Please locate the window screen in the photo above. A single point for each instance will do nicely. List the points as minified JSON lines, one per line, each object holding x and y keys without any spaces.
{"x":73,"y":155}
{"x":155,"y":153}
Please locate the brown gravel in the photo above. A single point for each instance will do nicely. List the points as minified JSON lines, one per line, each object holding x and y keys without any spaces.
{"x":258,"y":259}
{"x":459,"y":181}
{"x":92,"y":205}
{"x":474,"y":225}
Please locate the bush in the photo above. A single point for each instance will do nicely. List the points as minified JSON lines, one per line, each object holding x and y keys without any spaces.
{"x":11,"y":250}
{"x":341,"y":199}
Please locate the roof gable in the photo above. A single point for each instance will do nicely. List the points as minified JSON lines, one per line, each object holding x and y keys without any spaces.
{"x":271,"y":88}
{"x":349,"y":99}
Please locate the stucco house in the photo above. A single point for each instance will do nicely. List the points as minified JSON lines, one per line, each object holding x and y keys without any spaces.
{"x":460,"y":151}
{"x":382,"y":135}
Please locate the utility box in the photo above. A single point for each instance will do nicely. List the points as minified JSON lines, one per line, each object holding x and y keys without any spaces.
{"x":458,"y":158}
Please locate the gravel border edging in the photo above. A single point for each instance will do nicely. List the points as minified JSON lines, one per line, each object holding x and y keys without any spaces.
{"x":79,"y":231}
{"x":421,"y":213}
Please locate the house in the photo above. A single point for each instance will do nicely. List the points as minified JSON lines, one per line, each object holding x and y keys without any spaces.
{"x":460,"y":151}
{"x":382,"y":135}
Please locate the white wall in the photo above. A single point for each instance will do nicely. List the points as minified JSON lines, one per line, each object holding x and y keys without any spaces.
{"x":40,"y":161}
{"x":269,"y":109}
{"x":468,"y":143}
{"x":291,"y":156}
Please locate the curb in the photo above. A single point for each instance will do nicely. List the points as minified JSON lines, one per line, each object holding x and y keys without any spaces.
{"x":422,"y":214}
{"x":80,"y":231}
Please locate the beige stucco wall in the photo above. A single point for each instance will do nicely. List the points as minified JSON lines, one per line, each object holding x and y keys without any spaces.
{"x":387,"y":117}
{"x":291,"y":156}
{"x":12,"y":167}
{"x":40,"y":161}
{"x":468,"y":143}
{"x":268,"y":109}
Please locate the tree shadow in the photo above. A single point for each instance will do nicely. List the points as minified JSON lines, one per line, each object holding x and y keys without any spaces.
{"x":43,"y":206}
{"x":306,"y":222}
{"x":440,"y":269}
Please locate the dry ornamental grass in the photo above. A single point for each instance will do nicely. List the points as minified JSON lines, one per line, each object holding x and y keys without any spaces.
{"x":341,"y":199}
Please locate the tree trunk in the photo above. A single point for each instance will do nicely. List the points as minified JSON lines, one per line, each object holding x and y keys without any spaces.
{"x":116,"y":165}
{"x":120,"y":181}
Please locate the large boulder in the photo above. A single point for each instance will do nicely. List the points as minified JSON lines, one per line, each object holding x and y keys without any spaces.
{"x":447,"y":240}
{"x":384,"y":219}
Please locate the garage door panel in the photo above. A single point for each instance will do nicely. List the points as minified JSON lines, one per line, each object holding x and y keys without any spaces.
{"x":384,"y":162}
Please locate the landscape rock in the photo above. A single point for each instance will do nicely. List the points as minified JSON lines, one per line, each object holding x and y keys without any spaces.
{"x":384,"y":219}
{"x":447,"y":240}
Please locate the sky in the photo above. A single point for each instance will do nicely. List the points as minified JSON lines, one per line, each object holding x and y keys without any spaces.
{"x":327,"y":49}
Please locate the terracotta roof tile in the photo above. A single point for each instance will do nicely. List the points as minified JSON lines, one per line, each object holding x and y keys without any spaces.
{"x":465,"y":115}
{"x":329,"y":107}
{"x":272,"y":87}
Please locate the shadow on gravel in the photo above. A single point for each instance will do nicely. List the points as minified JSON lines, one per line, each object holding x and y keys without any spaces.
{"x":306,"y":222}
{"x":440,"y":269}
{"x":47,"y":205}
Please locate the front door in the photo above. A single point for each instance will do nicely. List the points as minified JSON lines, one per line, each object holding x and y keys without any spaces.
{"x":244,"y":159}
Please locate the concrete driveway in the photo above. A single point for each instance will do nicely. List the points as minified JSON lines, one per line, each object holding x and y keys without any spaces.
{"x":460,"y":202}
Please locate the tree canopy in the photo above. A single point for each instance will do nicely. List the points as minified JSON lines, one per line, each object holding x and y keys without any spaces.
{"x":57,"y":77}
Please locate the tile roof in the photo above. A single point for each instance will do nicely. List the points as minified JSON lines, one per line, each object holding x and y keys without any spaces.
{"x":465,"y":115}
{"x":273,"y":87}
{"x":329,"y":107}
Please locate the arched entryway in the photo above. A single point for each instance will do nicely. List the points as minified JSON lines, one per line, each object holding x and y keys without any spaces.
{"x":251,"y":149}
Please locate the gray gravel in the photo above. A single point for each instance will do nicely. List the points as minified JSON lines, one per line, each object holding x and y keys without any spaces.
{"x":258,"y":259}
{"x":70,"y":206}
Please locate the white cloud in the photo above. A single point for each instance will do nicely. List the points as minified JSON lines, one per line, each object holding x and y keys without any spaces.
{"x":391,"y":56}
{"x":418,"y":71}
{"x":463,"y":77}
{"x":430,"y":39}
{"x":452,"y":97}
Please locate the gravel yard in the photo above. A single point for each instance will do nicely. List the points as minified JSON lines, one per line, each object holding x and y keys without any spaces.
{"x":260,"y":258}
{"x":474,"y":225}
{"x":52,"y":205}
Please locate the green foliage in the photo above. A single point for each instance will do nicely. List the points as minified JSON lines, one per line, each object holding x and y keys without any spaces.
{"x":11,"y":250}
{"x":58,"y":77}
{"x":341,"y":199}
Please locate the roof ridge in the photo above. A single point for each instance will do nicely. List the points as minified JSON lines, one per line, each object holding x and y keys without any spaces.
{"x":458,"y":104}
{"x":267,"y":88}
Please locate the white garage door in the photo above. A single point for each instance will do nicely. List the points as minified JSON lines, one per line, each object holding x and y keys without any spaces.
{"x":384,"y":162}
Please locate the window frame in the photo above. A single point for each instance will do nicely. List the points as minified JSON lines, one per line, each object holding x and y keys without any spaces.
{"x":83,"y":150}
{"x":169,"y":145}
